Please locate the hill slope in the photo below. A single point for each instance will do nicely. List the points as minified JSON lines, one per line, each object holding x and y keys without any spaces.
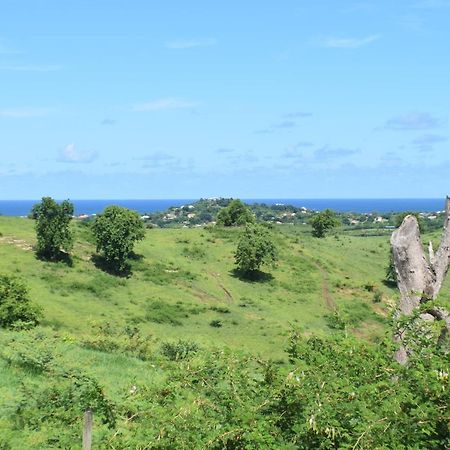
{"x":183,"y":279}
{"x":122,"y":332}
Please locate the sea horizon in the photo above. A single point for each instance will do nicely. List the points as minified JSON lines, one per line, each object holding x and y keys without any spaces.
{"x":142,"y":206}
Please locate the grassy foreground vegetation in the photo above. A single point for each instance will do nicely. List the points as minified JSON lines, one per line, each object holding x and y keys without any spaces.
{"x":185,"y":353}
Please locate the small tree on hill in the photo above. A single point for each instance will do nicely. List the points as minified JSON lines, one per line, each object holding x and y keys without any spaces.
{"x":52,"y":228}
{"x":15,"y":306}
{"x":235,"y":214}
{"x":116,"y":230}
{"x":255,"y":248}
{"x":323,"y":222}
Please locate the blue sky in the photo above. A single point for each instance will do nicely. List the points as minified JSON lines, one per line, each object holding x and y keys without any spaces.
{"x":253,"y":99}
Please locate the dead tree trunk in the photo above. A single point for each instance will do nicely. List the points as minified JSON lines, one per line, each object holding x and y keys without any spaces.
{"x":419,"y":278}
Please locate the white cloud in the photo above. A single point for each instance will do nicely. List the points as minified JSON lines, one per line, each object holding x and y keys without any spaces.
{"x":164,"y":103}
{"x":182,"y":44}
{"x":348,"y":42}
{"x":25,"y":112}
{"x":70,"y":154}
{"x":413,"y":121}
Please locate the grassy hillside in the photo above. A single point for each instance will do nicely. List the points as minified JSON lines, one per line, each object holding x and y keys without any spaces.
{"x":182,"y":283}
{"x":183,"y":279}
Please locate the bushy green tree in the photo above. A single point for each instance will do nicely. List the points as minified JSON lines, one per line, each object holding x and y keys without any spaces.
{"x":116,"y":230}
{"x":255,"y":248}
{"x":53,"y":227}
{"x":16,"y":310}
{"x":235,"y":214}
{"x":323,"y":222}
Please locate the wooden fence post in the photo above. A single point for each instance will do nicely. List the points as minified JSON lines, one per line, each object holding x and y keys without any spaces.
{"x":87,"y":430}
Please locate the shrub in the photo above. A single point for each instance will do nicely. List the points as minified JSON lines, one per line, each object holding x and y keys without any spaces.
{"x":176,"y":351}
{"x":378,"y":296}
{"x":16,"y":309}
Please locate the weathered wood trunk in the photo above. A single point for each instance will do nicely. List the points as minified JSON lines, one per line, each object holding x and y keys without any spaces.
{"x":419,"y":278}
{"x":87,"y":430}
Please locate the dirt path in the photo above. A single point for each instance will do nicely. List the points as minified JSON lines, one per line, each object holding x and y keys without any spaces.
{"x":19,"y":243}
{"x":227,"y":292}
{"x":329,"y":302}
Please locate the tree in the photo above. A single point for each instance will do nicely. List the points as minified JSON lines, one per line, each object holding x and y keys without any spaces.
{"x":255,"y":248}
{"x":419,"y":280}
{"x":324,"y":222}
{"x":52,"y":228}
{"x":235,"y":214}
{"x":116,"y":230}
{"x":15,"y":306}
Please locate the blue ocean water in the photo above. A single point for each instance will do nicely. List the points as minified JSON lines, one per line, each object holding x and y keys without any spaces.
{"x":23,"y":207}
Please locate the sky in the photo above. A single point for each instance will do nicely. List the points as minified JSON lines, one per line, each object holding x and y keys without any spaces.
{"x":147,"y":99}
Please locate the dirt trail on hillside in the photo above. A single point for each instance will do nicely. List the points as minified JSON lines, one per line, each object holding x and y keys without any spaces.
{"x":329,"y":302}
{"x":227,"y":292}
{"x":19,"y":243}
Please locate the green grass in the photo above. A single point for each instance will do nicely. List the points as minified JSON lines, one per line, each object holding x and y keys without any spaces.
{"x":182,"y":285}
{"x":183,"y":277}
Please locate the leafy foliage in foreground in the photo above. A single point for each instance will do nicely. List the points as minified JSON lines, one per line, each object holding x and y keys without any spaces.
{"x":333,"y":393}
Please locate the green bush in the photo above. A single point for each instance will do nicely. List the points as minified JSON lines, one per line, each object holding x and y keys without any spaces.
{"x":16,"y":309}
{"x":128,"y":340}
{"x":175,"y":351}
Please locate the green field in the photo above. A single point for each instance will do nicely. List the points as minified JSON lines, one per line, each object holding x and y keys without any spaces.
{"x":183,"y":283}
{"x":184,"y":278}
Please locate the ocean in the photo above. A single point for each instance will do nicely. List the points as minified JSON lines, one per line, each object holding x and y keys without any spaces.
{"x":23,"y":207}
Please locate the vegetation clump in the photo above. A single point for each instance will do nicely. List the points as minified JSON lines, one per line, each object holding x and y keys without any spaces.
{"x":255,"y":248}
{"x":235,"y":214}
{"x":16,"y":309}
{"x":323,"y":222}
{"x":116,"y":230}
{"x":54,"y":237}
{"x":180,"y":350}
